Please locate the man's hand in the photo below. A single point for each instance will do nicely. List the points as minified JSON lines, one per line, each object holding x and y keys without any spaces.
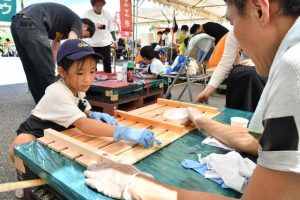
{"x":194,"y":114}
{"x":115,"y":45}
{"x":111,"y":179}
{"x":143,"y":136}
{"x":204,"y":95}
{"x":103,"y":117}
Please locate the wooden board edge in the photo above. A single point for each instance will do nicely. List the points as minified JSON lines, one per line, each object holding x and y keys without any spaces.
{"x":175,"y":104}
{"x":83,"y":148}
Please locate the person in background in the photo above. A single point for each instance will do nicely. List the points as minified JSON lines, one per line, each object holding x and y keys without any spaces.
{"x":244,"y":85}
{"x":268,"y":30}
{"x":63,"y":106}
{"x":214,"y":29}
{"x":32,"y":28}
{"x":167,"y":37}
{"x":180,"y":39}
{"x":159,"y":38}
{"x":104,"y":35}
{"x":197,"y":55}
{"x":130,"y":46}
{"x":156,"y":67}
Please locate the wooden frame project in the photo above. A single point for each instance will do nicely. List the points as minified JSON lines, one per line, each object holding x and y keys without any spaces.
{"x":85,"y":148}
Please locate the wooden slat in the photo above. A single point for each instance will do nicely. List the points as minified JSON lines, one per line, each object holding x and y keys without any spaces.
{"x":57,"y":146}
{"x":149,"y":121}
{"x":118,"y":147}
{"x":72,"y":132}
{"x":157,"y":112}
{"x":81,"y":147}
{"x":70,"y":153}
{"x":45,"y":140}
{"x":172,"y":103}
{"x":140,"y":125}
{"x":145,"y":109}
{"x":100,"y":142}
{"x":127,"y":122}
{"x":84,"y":137}
{"x":84,"y":160}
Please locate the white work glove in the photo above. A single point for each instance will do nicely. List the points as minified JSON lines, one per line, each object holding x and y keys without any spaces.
{"x":111,"y":179}
{"x":194,"y":114}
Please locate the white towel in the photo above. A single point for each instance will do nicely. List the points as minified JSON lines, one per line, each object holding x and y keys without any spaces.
{"x":231,"y":167}
{"x":214,"y":142}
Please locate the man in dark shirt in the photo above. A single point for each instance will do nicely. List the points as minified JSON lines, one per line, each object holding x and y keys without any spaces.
{"x":33,"y":28}
{"x":215,"y":30}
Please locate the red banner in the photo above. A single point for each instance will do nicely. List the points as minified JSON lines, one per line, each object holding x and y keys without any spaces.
{"x":126,"y":15}
{"x":124,"y":34}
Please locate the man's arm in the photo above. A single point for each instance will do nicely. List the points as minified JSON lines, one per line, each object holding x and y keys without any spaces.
{"x":265,"y":184}
{"x":54,"y":47}
{"x":141,"y":186}
{"x":73,"y":35}
{"x":272,"y":184}
{"x":236,"y":137}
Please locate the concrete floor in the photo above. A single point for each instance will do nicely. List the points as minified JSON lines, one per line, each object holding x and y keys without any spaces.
{"x":15,"y":106}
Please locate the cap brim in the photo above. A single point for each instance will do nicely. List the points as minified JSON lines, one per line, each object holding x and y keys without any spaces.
{"x":80,"y":55}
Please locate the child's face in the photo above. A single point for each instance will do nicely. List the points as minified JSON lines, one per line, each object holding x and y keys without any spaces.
{"x":81,"y":75}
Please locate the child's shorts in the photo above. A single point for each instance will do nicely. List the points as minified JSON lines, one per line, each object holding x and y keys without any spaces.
{"x":35,"y":126}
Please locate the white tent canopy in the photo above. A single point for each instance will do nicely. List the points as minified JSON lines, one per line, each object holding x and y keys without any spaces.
{"x":156,"y":12}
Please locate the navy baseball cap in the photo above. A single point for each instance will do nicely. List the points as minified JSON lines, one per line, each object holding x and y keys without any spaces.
{"x":75,"y":49}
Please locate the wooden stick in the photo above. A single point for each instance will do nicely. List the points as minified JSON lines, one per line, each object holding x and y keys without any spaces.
{"x":5,"y":187}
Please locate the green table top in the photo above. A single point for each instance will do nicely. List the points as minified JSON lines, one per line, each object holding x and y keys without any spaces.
{"x":66,"y":176}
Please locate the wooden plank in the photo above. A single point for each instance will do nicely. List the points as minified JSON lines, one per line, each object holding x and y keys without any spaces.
{"x":81,"y":147}
{"x":127,"y":122}
{"x":84,"y":137}
{"x":70,"y":153}
{"x":149,"y":121}
{"x":118,"y":147}
{"x":157,"y":112}
{"x":72,"y":132}
{"x":145,"y":109}
{"x":137,"y":153}
{"x":172,"y":103}
{"x":57,"y":146}
{"x":140,"y":125}
{"x":100,"y":142}
{"x":84,"y":160}
{"x":45,"y":140}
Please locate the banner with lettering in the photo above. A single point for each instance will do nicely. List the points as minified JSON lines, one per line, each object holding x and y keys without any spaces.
{"x":7,"y":10}
{"x":126,"y":15}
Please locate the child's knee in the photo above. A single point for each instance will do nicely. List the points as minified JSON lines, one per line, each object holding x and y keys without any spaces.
{"x":20,"y":139}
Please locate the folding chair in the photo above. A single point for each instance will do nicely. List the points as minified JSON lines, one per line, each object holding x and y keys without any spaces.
{"x":201,"y":42}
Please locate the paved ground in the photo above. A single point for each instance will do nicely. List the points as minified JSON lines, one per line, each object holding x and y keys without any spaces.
{"x":15,"y":106}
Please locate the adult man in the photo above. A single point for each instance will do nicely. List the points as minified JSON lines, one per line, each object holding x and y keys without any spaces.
{"x":32,"y":28}
{"x":268,"y":30}
{"x":104,"y":34}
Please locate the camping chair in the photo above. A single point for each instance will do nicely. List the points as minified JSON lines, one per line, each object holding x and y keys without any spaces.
{"x":201,"y":42}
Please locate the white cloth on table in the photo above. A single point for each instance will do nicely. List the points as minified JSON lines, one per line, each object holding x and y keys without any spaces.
{"x":231,"y":167}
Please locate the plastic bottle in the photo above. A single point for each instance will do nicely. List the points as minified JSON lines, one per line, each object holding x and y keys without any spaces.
{"x":130,"y":70}
{"x":124,"y":72}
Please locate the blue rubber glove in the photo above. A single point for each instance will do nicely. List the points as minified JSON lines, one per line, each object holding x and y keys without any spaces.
{"x":201,"y":169}
{"x":142,"y":136}
{"x":103,"y":117}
